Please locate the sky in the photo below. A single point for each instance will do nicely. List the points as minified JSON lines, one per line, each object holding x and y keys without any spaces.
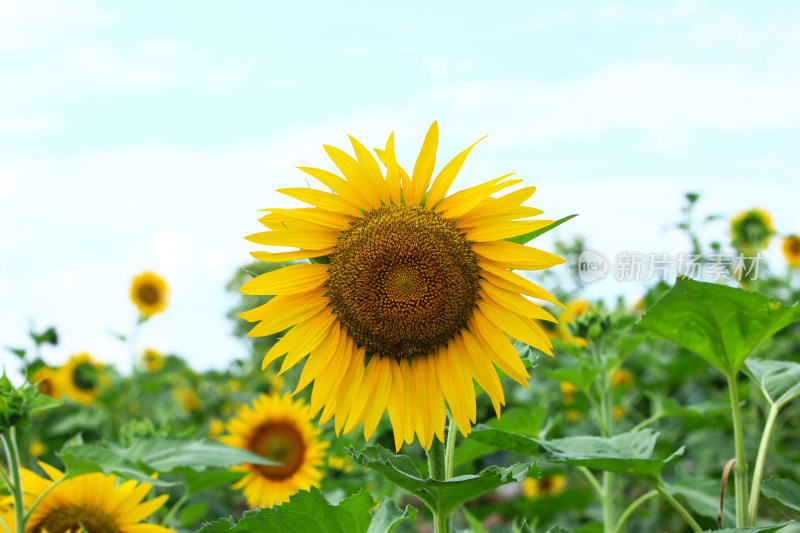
{"x":147,"y":135}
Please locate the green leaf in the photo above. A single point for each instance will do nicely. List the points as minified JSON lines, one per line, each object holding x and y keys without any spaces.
{"x":48,"y":336}
{"x":581,"y":377}
{"x":757,"y":529}
{"x":197,"y":481}
{"x":306,"y":511}
{"x":527,"y":421}
{"x":19,"y":352}
{"x":702,"y":495}
{"x":389,"y":515}
{"x":666,"y":406}
{"x":42,"y":402}
{"x":166,"y":455}
{"x":523,"y":239}
{"x":627,"y":453}
{"x":89,"y":458}
{"x":723,"y":325}
{"x":192,"y":513}
{"x":782,"y":490}
{"x":779,"y":380}
{"x":442,"y":496}
{"x":80,"y":420}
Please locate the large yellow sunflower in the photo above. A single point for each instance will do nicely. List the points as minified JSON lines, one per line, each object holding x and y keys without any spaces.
{"x":46,"y":380}
{"x":281,"y":430}
{"x":149,"y":292}
{"x":791,"y":250}
{"x":91,"y":502}
{"x":81,"y":378}
{"x":410,"y":294}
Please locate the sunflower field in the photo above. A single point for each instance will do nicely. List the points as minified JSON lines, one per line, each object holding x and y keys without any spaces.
{"x":418,"y":364}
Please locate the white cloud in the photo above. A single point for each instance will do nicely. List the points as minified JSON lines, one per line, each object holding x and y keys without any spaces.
{"x":30,"y":23}
{"x":20,"y":124}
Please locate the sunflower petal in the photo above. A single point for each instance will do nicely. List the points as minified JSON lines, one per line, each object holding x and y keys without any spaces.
{"x":287,"y":280}
{"x":423,"y":168}
{"x":446,"y":176}
{"x":516,"y":256}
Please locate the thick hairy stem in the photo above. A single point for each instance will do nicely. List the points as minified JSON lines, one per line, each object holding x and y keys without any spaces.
{"x":437,"y":470}
{"x":742,"y":519}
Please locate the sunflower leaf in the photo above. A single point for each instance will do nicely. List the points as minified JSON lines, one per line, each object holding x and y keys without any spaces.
{"x":523,"y":239}
{"x":627,"y":453}
{"x":723,"y":325}
{"x":310,"y":511}
{"x":781,"y":490}
{"x":166,"y":455}
{"x":82,"y":459}
{"x":757,"y":529}
{"x":444,"y":496}
{"x":527,"y":421}
{"x":779,"y":380}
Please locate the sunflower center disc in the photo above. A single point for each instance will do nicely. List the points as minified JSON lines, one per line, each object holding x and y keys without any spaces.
{"x":795,"y":247}
{"x":46,"y":387}
{"x":148,"y":294}
{"x":85,"y":376}
{"x":280,"y":442}
{"x":72,"y":517}
{"x":403,"y":281}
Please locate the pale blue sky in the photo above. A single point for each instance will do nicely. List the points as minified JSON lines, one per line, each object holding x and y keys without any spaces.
{"x":146,"y":135}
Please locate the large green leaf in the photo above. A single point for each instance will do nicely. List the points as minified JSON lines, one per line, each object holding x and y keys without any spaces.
{"x":782,"y":490}
{"x":310,"y":512}
{"x":628,"y":453}
{"x":167,"y":454}
{"x":442,"y":496}
{"x":522,"y":239}
{"x":663,"y":407}
{"x":720,"y":324}
{"x":701,"y":494}
{"x":89,"y":458}
{"x":527,"y":421}
{"x":757,"y":529}
{"x":196,"y":481}
{"x":779,"y":380}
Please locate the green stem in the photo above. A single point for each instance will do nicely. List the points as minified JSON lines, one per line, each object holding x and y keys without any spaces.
{"x":592,"y":480}
{"x":437,"y":470}
{"x":41,"y":497}
{"x":631,"y":508}
{"x":680,"y":508}
{"x":450,"y":450}
{"x":758,"y":472}
{"x":174,"y":509}
{"x":741,"y":459}
{"x":646,"y":422}
{"x":12,"y":456}
{"x":5,"y":526}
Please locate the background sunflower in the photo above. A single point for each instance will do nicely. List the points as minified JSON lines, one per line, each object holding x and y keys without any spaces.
{"x":81,"y":378}
{"x":149,"y":292}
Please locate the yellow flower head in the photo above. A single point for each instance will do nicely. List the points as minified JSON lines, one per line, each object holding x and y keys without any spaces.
{"x":81,"y":378}
{"x":573,"y":415}
{"x":46,"y":380}
{"x":152,"y":360}
{"x":751,"y":230}
{"x":342,"y":463}
{"x":622,"y":378}
{"x":149,"y":292}
{"x":546,"y":487}
{"x":791,"y":250}
{"x":188,"y":399}
{"x":574,"y":310}
{"x":568,"y":391}
{"x":216,"y":427}
{"x":36,"y":448}
{"x":274,"y":382}
{"x":280,"y":429}
{"x":411,"y":294}
{"x":91,"y":502}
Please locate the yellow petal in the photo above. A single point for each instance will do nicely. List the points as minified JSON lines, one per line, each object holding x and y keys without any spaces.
{"x":319,"y":358}
{"x":323,"y":200}
{"x":521,"y":328}
{"x":338,"y":185}
{"x":409,"y":399}
{"x":513,"y":255}
{"x":294,"y":314}
{"x":315,"y":216}
{"x":287,"y":280}
{"x":368,"y":383}
{"x":462,"y":202}
{"x":371,"y":171}
{"x":454,"y":394}
{"x":389,"y":159}
{"x":505,"y":230}
{"x":281,"y":304}
{"x":492,"y":339}
{"x":482,"y":369}
{"x":283,"y":257}
{"x":512,"y":300}
{"x":315,"y":331}
{"x":423,"y":168}
{"x":377,"y":404}
{"x":354,"y":174}
{"x":310,"y":240}
{"x":349,"y":387}
{"x":397,"y":406}
{"x":511,"y":281}
{"x":474,"y":219}
{"x":446,"y":176}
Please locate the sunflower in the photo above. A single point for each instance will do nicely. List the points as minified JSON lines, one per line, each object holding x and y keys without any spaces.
{"x":91,"y":502}
{"x":574,"y":310}
{"x":791,"y":250}
{"x":152,"y":360}
{"x":410,"y":295}
{"x":622,"y":378}
{"x":46,"y":380}
{"x":280,"y":429}
{"x":81,"y":378}
{"x":751,"y":230}
{"x":546,"y":487}
{"x":188,"y":399}
{"x":149,"y":292}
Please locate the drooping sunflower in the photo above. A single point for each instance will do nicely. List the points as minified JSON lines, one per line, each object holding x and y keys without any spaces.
{"x":280,"y":429}
{"x":410,"y":294}
{"x":46,"y":380}
{"x":149,"y":293}
{"x":751,"y":230}
{"x":152,"y":360}
{"x":91,"y":502}
{"x":791,"y":250}
{"x":81,"y":378}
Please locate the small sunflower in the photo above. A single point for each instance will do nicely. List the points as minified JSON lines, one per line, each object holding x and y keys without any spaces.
{"x":411,"y":294}
{"x":751,"y":230}
{"x":46,"y":380}
{"x":81,"y":378}
{"x":622,"y":378}
{"x":279,"y":429}
{"x":36,"y":448}
{"x":91,"y":502}
{"x":216,"y":427}
{"x":149,"y":293}
{"x":152,"y":360}
{"x":546,"y":487}
{"x":568,"y":391}
{"x":188,"y":399}
{"x":574,"y":310}
{"x":791,"y":250}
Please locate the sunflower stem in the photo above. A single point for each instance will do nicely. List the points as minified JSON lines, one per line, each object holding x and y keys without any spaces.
{"x":174,"y":509}
{"x":758,"y":472}
{"x":680,"y":508}
{"x":740,"y":469}
{"x":450,"y":449}
{"x":631,"y":508}
{"x":12,"y":456}
{"x":438,"y":470}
